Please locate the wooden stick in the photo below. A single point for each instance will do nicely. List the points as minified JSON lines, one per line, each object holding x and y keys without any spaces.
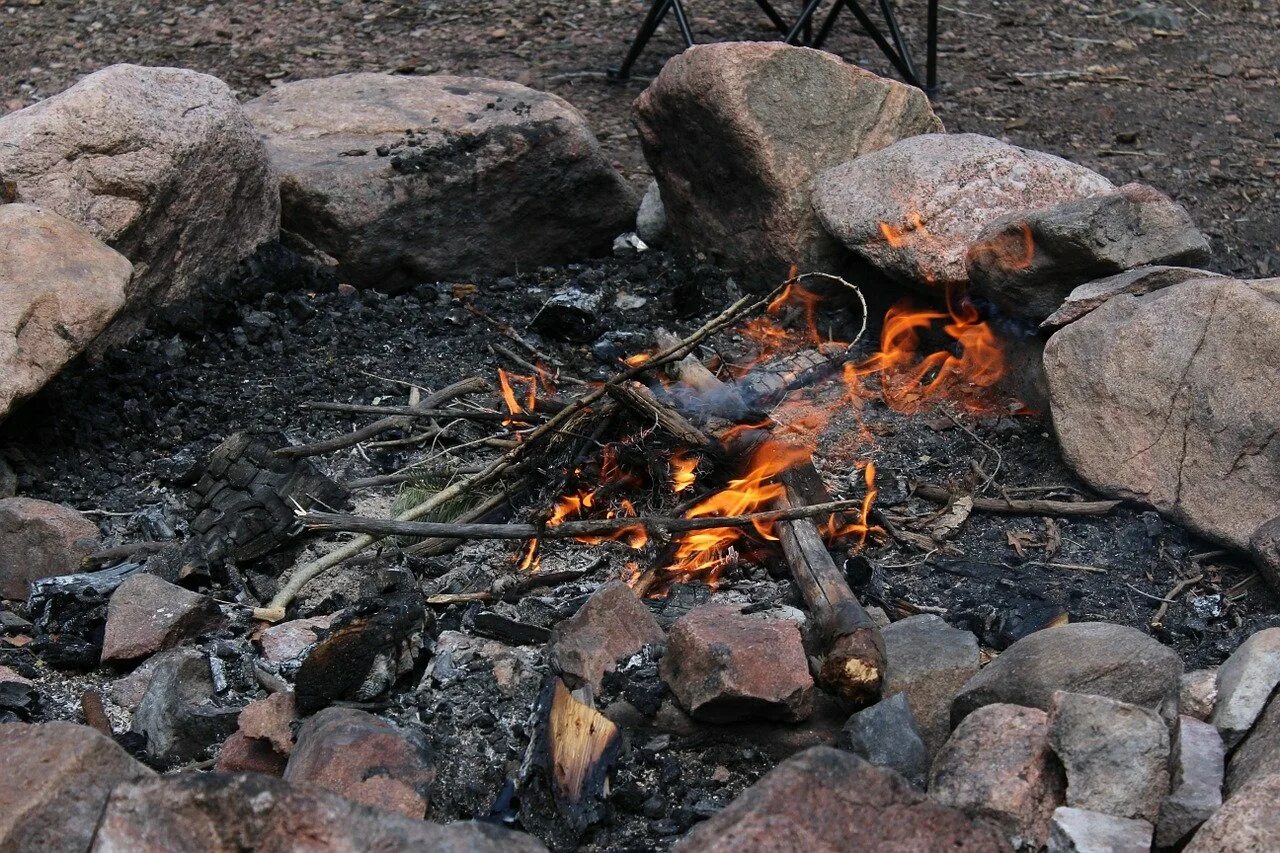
{"x":641,"y":400}
{"x":440,"y":545}
{"x":512,"y":593}
{"x":940,"y":494}
{"x":275,"y":610}
{"x":418,"y":413}
{"x":854,"y":663}
{"x":339,"y":522}
{"x":457,"y":389}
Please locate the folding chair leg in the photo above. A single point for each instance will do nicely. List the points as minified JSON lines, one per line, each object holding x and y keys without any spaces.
{"x":864,"y":20}
{"x":652,"y":19}
{"x":827,"y":26}
{"x":773,"y":16}
{"x":904,"y":52}
{"x":682,"y":21}
{"x":806,"y":14}
{"x":931,"y":58}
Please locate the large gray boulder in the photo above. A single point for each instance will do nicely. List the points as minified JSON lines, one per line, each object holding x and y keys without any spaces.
{"x":409,"y":179}
{"x":1170,"y":399}
{"x":736,"y":132}
{"x":1028,"y":262}
{"x":912,"y":209}
{"x":162,"y":165}
{"x":1095,"y":657}
{"x":59,"y":287}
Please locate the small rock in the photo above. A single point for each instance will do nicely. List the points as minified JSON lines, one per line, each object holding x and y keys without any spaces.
{"x":128,"y":691}
{"x":146,"y":615}
{"x":1245,"y":682}
{"x":826,"y":799}
{"x":1248,"y":820}
{"x":611,"y":624}
{"x":1083,"y":831}
{"x":270,"y":719}
{"x":177,"y":715}
{"x":1264,"y":545}
{"x":1105,"y":659}
{"x":886,"y":735}
{"x":365,"y":759}
{"x":288,"y":640}
{"x":1116,"y":755}
{"x":1197,"y":787}
{"x":39,"y":539}
{"x":57,"y":779}
{"x":1259,"y":753}
{"x":651,"y":219}
{"x":7,"y":674}
{"x":912,"y":209}
{"x":1198,"y":694}
{"x":929,"y":661}
{"x":59,"y":287}
{"x":1135,"y":282}
{"x":732,"y":135}
{"x":242,"y":754}
{"x":724,"y":666}
{"x":998,"y":765}
{"x":1028,"y":262}
{"x":570,"y":315}
{"x":220,"y":812}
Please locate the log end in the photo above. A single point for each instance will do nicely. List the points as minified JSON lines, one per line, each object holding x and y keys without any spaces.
{"x":268,"y":614}
{"x":854,"y":668}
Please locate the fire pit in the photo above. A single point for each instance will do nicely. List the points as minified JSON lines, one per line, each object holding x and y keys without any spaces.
{"x":678,"y":547}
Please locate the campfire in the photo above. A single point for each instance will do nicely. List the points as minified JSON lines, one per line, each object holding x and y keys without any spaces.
{"x":885,"y":488}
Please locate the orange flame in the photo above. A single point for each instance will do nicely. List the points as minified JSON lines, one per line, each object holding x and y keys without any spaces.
{"x":684,"y":468}
{"x":1009,"y":252}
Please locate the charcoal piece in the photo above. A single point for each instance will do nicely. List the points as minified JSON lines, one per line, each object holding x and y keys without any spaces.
{"x":366,"y":650}
{"x":681,"y":598}
{"x":499,"y":627}
{"x":70,"y":613}
{"x":19,"y":702}
{"x":571,"y":315}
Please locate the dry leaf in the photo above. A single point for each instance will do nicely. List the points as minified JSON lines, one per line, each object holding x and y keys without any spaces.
{"x":950,"y":521}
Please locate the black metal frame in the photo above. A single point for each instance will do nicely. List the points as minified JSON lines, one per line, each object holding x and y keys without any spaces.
{"x":894,"y":47}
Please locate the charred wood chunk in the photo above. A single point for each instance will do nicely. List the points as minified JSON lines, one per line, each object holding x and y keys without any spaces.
{"x":367,"y":649}
{"x":767,"y":384}
{"x":70,"y":614}
{"x":566,"y":774}
{"x":247,"y":498}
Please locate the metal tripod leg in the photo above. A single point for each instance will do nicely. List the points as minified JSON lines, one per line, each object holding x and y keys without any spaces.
{"x":648,"y":27}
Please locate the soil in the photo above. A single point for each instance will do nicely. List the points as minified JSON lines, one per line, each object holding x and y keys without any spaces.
{"x":1182,"y":96}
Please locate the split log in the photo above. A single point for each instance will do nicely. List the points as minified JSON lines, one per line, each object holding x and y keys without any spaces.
{"x":1009,"y":506}
{"x":854,"y":660}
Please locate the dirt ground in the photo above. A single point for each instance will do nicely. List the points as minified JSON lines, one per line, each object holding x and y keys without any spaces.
{"x":1183,"y":96}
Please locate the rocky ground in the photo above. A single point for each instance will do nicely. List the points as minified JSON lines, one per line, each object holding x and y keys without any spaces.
{"x":1180,"y":96}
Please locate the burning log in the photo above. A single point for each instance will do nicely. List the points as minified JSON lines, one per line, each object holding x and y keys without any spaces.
{"x":1011,"y":506}
{"x":853,"y":666}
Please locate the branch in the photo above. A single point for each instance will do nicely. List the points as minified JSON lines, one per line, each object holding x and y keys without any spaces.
{"x":940,"y":494}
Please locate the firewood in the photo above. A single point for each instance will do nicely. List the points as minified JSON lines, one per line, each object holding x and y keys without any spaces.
{"x":854,"y":660}
{"x":275,"y":609}
{"x":941,"y":494}
{"x":641,"y":400}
